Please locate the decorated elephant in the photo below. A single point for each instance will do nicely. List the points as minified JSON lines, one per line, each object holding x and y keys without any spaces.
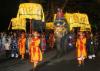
{"x":61,"y":30}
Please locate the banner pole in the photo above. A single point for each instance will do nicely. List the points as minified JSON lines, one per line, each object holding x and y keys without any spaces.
{"x":30,"y":26}
{"x":9,"y":25}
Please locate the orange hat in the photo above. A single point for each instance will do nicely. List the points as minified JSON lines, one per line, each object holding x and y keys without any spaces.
{"x":35,"y":33}
{"x":80,"y":33}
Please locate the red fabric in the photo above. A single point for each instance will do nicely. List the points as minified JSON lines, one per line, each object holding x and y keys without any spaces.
{"x":60,"y":15}
{"x":81,"y":45}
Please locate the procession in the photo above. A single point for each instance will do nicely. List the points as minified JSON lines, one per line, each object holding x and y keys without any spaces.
{"x":30,"y":37}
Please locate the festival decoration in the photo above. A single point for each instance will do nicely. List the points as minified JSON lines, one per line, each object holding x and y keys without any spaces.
{"x":18,"y":23}
{"x":78,"y":20}
{"x":49,"y":25}
{"x":31,"y":11}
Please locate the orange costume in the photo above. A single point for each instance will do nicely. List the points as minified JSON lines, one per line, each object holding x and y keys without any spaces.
{"x":81,"y":48}
{"x":21,"y":44}
{"x":34,"y":50}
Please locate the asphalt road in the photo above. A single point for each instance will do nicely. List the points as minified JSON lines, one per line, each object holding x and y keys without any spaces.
{"x":66,"y":62}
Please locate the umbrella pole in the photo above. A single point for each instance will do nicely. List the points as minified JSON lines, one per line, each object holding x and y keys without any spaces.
{"x":9,"y":25}
{"x":30,"y":26}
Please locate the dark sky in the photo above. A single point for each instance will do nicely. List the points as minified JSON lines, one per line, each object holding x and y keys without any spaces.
{"x":91,"y":7}
{"x":7,"y":10}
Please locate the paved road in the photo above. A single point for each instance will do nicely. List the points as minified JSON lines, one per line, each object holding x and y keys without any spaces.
{"x":71,"y":65}
{"x":18,"y":65}
{"x":65,"y":63}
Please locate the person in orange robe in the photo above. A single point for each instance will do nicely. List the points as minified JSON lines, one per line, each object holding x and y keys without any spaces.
{"x":81,"y":48}
{"x":34,"y":50}
{"x":21,"y":44}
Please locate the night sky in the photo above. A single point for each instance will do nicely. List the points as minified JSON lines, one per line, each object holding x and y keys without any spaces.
{"x":8,"y":9}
